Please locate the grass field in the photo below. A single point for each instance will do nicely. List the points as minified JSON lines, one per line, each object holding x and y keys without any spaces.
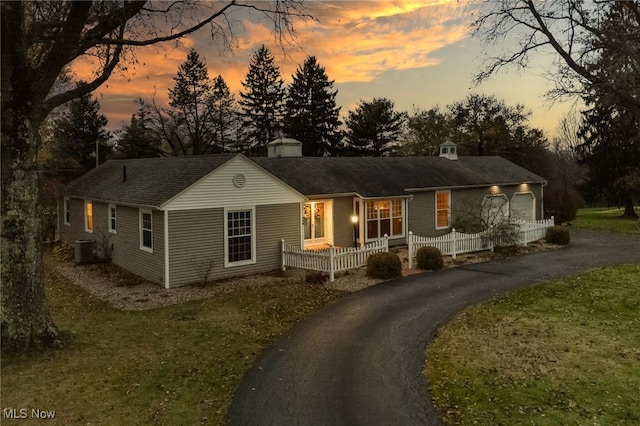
{"x":564,"y":352}
{"x":174,"y":366}
{"x":606,"y":219}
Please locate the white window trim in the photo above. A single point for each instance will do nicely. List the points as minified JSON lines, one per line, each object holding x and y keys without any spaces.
{"x":253,"y":259}
{"x":328,"y":223}
{"x":66,"y":205}
{"x":403,"y":208}
{"x":435,"y":202}
{"x":142,"y":246}
{"x":86,"y":217}
{"x":112,"y":229}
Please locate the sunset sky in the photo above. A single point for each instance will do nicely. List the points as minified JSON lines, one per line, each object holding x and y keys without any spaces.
{"x":416,"y":53}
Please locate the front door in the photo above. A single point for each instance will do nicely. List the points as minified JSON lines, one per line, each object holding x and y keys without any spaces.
{"x":314,"y":223}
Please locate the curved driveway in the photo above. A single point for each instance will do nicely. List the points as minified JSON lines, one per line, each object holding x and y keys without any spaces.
{"x":359,"y":361}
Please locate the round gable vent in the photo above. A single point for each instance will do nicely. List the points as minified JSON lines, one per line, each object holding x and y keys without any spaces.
{"x":239,"y":180}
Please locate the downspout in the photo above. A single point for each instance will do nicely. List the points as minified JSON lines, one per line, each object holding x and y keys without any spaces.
{"x":166,"y":249}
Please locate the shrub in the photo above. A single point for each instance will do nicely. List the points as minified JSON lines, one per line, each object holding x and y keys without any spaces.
{"x":558,"y":235}
{"x":429,"y":258}
{"x":384,"y":265}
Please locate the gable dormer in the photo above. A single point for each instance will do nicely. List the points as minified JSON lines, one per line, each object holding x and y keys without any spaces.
{"x":449,"y":150}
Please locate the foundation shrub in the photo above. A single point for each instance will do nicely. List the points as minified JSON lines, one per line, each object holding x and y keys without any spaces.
{"x":384,"y":266}
{"x":558,"y":235}
{"x":429,"y":259}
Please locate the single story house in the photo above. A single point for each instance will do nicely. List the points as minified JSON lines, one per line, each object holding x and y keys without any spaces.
{"x":181,"y":220}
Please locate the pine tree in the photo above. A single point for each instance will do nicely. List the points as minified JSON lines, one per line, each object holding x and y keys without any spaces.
{"x":191,"y":104}
{"x":611,"y":125}
{"x":78,"y":132}
{"x":138,"y":139}
{"x":223,"y":115}
{"x":373,"y":128}
{"x":263,"y":101}
{"x":312,"y":116}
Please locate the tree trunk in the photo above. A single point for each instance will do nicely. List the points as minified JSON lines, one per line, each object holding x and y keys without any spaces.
{"x":26,"y":324}
{"x":628,"y":208}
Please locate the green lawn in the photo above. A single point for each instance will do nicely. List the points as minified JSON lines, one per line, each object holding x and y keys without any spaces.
{"x":564,"y":352}
{"x":606,"y":219}
{"x":561,"y":353}
{"x":178,"y":365}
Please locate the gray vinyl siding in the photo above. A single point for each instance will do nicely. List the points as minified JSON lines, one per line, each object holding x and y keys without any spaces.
{"x":74,"y":231}
{"x":422,"y":212}
{"x":125,"y":243}
{"x":342,"y":226}
{"x":197,"y":242}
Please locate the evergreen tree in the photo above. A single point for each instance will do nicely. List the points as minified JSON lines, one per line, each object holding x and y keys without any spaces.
{"x":611,"y":126}
{"x":138,"y":139}
{"x":263,"y":101}
{"x":223,"y":115}
{"x":79,"y":135}
{"x":312,"y":115}
{"x":190,"y":100}
{"x":373,"y":128}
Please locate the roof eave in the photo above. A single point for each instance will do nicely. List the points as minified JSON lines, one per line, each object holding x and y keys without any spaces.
{"x":482,"y":185}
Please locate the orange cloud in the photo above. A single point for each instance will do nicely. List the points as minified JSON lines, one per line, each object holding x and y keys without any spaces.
{"x":356,"y":41}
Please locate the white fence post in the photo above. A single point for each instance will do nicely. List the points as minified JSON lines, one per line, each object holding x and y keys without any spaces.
{"x":491,"y":239}
{"x":410,"y":249}
{"x":455,"y":242}
{"x":385,"y":241}
{"x":282,"y":254}
{"x":331,"y":265}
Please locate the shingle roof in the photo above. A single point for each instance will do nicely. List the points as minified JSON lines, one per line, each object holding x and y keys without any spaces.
{"x":392,"y":176}
{"x":153,"y":181}
{"x":150,"y":181}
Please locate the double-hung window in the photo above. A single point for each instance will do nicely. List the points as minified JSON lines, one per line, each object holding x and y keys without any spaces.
{"x":67,"y":211}
{"x":384,"y":217}
{"x":113,"y":223}
{"x":146,"y":231}
{"x":88,"y":216}
{"x":443,"y":209}
{"x":240,"y":237}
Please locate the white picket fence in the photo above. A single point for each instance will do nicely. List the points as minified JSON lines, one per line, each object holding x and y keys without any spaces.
{"x":331,"y":259}
{"x":455,"y":243}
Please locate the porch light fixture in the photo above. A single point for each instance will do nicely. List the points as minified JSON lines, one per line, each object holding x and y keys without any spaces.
{"x":354,"y":219}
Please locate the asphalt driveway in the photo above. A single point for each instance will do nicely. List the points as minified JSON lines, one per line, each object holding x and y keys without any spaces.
{"x":359,"y":361}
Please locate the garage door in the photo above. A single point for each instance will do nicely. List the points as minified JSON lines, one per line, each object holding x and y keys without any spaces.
{"x":522,"y":207}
